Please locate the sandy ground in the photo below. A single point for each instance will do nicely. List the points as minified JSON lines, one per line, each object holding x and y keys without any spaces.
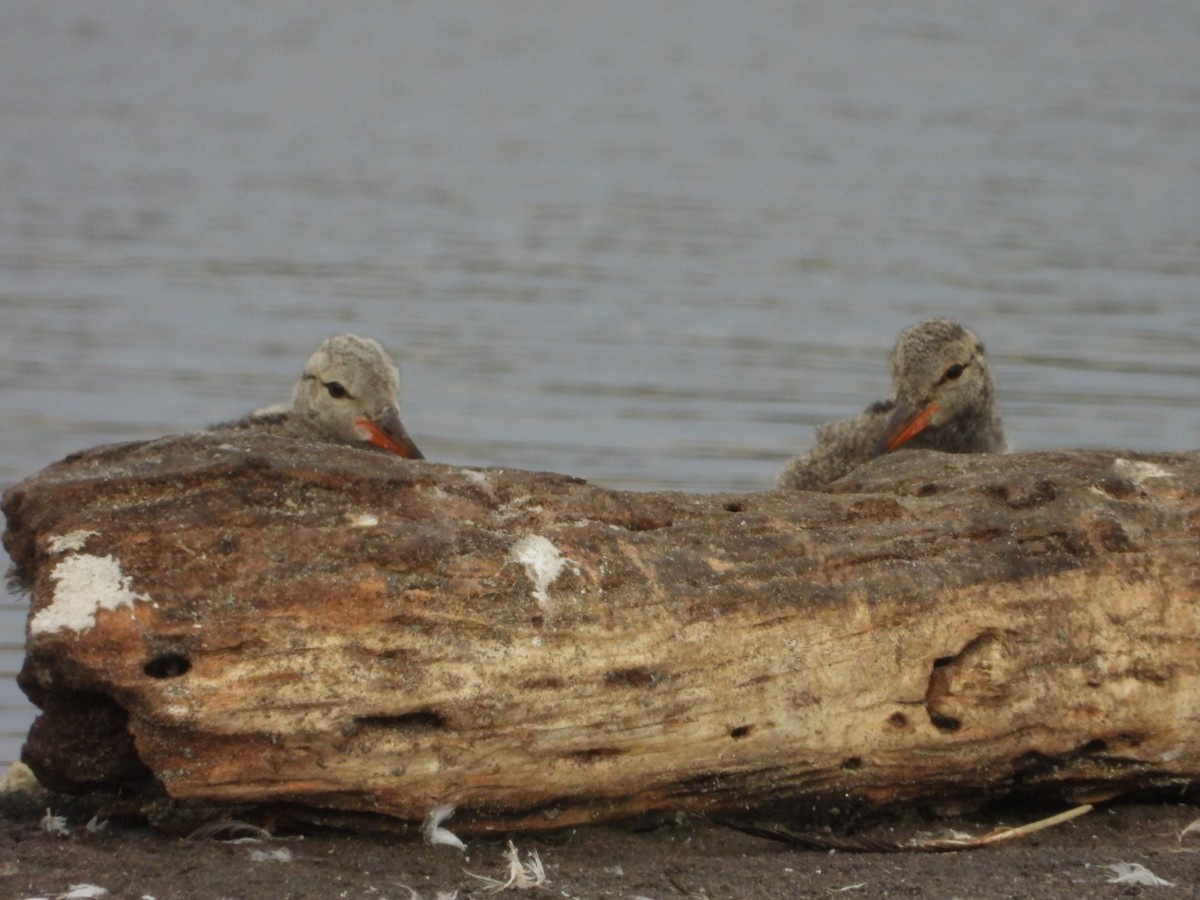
{"x":687,"y":859}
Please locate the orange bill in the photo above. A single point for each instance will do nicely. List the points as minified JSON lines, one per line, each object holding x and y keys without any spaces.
{"x":904,"y":425}
{"x":388,"y":433}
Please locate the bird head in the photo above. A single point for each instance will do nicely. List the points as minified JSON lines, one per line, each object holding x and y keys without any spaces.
{"x":350,"y":393}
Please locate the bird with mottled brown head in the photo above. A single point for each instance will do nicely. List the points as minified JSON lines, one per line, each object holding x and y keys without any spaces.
{"x":348,"y":394}
{"x":944,"y":400}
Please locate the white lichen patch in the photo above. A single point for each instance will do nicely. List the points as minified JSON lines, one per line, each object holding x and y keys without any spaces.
{"x":72,"y":540}
{"x":543,"y":563}
{"x":1139,"y":471}
{"x":86,"y":584}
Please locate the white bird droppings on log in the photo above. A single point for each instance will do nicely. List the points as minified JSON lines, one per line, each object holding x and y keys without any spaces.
{"x":543,"y":564}
{"x":85,"y":585}
{"x":1139,"y":471}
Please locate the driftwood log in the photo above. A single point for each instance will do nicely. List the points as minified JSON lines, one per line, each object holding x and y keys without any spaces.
{"x":270,"y":622}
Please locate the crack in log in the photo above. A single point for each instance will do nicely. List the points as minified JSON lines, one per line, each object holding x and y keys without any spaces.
{"x":410,"y":722}
{"x":948,"y":673}
{"x":168,"y":665}
{"x":1113,"y":537}
{"x":594,"y":754}
{"x":1034,"y":765}
{"x":1116,"y":487}
{"x":544,"y":683}
{"x":875,"y":509}
{"x":944,"y":724}
{"x":636,"y":676}
{"x":906,"y":551}
{"x":638,"y":522}
{"x":1060,"y":543}
{"x":1024,"y":492}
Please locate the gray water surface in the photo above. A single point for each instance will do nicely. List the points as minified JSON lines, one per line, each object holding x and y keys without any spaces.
{"x":653,"y":245}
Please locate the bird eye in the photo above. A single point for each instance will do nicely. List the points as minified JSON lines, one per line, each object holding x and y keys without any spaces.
{"x":336,"y":391}
{"x":953,"y":373}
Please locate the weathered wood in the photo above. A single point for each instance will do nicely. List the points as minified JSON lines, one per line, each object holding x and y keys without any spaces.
{"x":277,"y":621}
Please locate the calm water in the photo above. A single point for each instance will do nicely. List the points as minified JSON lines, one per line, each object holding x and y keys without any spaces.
{"x":648,"y":244}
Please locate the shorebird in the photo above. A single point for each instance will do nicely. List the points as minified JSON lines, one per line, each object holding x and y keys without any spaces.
{"x":348,"y":394}
{"x":944,"y":400}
